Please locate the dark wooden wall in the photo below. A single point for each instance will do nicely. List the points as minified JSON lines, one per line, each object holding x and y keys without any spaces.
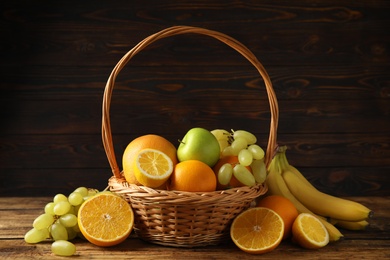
{"x":328,"y":61}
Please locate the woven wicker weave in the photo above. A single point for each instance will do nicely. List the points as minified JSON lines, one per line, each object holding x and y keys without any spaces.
{"x":184,"y":219}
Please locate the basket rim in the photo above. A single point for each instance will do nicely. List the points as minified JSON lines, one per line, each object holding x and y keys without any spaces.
{"x":177,"y":30}
{"x":156,"y":196}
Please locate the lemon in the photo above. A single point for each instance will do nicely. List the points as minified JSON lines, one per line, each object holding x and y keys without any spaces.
{"x":309,"y":232}
{"x":152,"y":168}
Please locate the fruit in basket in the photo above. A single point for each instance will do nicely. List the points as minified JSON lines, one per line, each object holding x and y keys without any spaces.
{"x":257,"y":230}
{"x":243,"y":175}
{"x":259,"y":170}
{"x":284,"y":208}
{"x":285,"y":180}
{"x":199,"y":144}
{"x":152,"y":168}
{"x":242,"y":140}
{"x":106,"y":219}
{"x":248,"y":136}
{"x":309,"y":232}
{"x":224,"y":138}
{"x":241,"y":144}
{"x":194,"y":176}
{"x":232,"y":182}
{"x":142,"y":142}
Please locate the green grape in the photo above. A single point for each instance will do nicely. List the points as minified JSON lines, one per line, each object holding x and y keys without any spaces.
{"x":227,"y":151}
{"x":71,"y":210}
{"x":63,"y":248}
{"x":76,"y":228}
{"x":225,"y":174}
{"x":92,"y":192}
{"x":68,"y":220}
{"x":43,"y":221}
{"x":59,"y":197}
{"x":36,"y":235}
{"x":76,"y":209}
{"x":259,"y":171}
{"x":243,"y":175}
{"x":223,"y":138}
{"x":71,"y":233}
{"x":58,"y":232}
{"x":245,"y":157}
{"x":249,"y":137}
{"x":238,"y":144}
{"x":87,"y":197}
{"x":61,"y":208}
{"x":82,"y":190}
{"x":220,"y":134}
{"x":257,"y":152}
{"x":49,"y":208}
{"x":76,"y":198}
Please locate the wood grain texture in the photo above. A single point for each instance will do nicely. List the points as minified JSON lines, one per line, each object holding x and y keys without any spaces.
{"x":18,"y":214}
{"x":328,"y":61}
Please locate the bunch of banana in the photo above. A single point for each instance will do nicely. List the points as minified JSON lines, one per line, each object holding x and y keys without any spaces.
{"x":285,"y":180}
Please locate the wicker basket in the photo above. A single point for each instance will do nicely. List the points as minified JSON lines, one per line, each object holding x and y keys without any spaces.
{"x":184,"y":219}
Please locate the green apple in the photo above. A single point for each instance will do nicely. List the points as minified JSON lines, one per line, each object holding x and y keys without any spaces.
{"x":199,"y":144}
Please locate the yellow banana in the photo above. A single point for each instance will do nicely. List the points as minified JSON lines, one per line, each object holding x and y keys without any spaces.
{"x":352,"y":225}
{"x":275,"y":165}
{"x":273,"y":188}
{"x":285,"y":165}
{"x":299,"y":174}
{"x":324,"y":204}
{"x":334,"y":233}
{"x":277,"y":186}
{"x":283,"y":190}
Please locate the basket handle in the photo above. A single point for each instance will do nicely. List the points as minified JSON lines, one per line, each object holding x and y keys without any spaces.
{"x":176,"y":30}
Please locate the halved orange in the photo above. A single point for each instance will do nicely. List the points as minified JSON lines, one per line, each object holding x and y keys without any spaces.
{"x":152,"y":167}
{"x":257,"y":230}
{"x":309,"y":232}
{"x":284,"y":207}
{"x":105,"y":219}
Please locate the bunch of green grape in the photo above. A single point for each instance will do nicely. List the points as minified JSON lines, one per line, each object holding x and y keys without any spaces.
{"x":59,"y":221}
{"x":242,"y":144}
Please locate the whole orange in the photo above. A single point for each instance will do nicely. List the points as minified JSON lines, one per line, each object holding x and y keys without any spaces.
{"x":233,"y":160}
{"x":145,"y":141}
{"x":194,"y":176}
{"x":284,"y":207}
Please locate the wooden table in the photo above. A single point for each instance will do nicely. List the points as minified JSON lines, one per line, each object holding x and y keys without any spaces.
{"x":17,"y":214}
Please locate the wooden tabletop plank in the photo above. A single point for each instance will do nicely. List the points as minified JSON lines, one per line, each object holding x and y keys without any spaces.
{"x":137,"y":249}
{"x":17,"y":214}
